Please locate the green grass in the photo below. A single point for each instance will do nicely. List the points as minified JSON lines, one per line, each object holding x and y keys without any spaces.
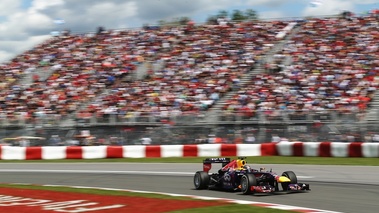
{"x":226,"y":208}
{"x":250,"y":160}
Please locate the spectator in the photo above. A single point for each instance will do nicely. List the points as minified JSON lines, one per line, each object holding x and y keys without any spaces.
{"x":250,"y":138}
{"x":275,"y":138}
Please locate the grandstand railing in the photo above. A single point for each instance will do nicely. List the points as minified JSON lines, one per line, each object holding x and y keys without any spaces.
{"x":21,"y":121}
{"x":219,"y":117}
{"x":225,"y":117}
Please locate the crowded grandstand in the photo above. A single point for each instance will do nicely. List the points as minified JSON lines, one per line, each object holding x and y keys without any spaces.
{"x":254,"y":81}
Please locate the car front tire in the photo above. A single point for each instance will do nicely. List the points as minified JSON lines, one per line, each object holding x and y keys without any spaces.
{"x":290,"y":175}
{"x":247,"y":181}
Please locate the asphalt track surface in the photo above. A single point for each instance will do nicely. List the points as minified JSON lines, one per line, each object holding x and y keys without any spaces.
{"x":348,"y":189}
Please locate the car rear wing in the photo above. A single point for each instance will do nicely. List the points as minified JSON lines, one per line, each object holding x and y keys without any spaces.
{"x":207,"y":163}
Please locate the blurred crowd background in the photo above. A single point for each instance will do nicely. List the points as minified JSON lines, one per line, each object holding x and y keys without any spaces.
{"x":252,"y":81}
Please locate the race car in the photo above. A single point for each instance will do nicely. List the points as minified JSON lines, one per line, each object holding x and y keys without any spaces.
{"x":236,"y":175}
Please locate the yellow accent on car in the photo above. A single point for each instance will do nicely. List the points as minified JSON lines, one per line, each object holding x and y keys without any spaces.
{"x":240,"y":164}
{"x":283,"y":179}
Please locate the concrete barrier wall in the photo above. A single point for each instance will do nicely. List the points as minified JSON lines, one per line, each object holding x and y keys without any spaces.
{"x":312,"y":149}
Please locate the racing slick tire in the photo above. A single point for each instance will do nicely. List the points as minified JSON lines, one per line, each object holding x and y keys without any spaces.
{"x":201,"y":180}
{"x":247,"y":181}
{"x":290,"y":175}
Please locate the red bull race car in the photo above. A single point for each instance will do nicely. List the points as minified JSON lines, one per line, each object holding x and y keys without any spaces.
{"x":236,"y":175}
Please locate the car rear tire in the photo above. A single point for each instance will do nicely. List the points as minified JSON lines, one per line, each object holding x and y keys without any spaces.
{"x":201,"y":180}
{"x":290,"y":175}
{"x":247,"y":181}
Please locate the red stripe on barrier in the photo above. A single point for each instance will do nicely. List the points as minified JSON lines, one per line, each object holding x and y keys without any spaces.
{"x":228,"y":150}
{"x":268,"y":149}
{"x":153,"y":151}
{"x":355,"y":150}
{"x":298,"y":149}
{"x":190,"y":151}
{"x":115,"y":152}
{"x":33,"y":153}
{"x":74,"y":152}
{"x":325,"y":149}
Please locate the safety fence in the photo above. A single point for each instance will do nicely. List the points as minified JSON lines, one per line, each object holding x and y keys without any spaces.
{"x":309,"y":149}
{"x":222,"y":117}
{"x":185,"y":118}
{"x":198,"y":128}
{"x":196,"y":134}
{"x":199,"y":134}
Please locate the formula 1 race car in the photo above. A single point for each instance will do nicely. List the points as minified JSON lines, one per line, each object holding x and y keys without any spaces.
{"x":235,"y":175}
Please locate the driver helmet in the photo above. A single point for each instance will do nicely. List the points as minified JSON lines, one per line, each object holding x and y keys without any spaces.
{"x":248,"y":168}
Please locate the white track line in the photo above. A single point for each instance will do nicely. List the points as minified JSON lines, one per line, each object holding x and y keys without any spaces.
{"x":253,"y":203}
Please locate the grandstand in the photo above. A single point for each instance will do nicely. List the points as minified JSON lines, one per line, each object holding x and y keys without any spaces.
{"x":267,"y":78}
